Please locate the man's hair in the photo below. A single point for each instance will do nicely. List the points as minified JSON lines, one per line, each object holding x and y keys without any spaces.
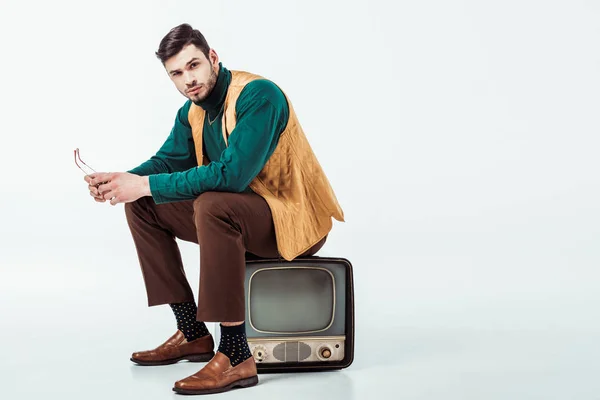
{"x":178,"y":38}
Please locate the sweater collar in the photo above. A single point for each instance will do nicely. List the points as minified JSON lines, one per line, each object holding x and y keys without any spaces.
{"x":214,"y":102}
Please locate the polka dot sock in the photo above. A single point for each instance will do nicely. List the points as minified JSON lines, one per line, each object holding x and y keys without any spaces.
{"x":234,"y":343}
{"x":185,"y":313}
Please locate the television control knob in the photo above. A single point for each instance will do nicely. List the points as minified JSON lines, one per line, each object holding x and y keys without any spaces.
{"x":325,"y":352}
{"x":260,"y":353}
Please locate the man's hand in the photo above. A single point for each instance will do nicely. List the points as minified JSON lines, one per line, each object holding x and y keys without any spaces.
{"x":118,"y":187}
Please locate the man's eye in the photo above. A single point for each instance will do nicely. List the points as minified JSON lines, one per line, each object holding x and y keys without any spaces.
{"x":194,"y":64}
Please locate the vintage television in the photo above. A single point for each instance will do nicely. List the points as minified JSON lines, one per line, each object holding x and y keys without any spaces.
{"x":300,"y":313}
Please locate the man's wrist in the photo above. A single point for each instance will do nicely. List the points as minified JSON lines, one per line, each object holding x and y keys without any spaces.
{"x":146,"y":186}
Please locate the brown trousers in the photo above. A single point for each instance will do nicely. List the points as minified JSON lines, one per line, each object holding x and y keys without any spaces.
{"x":228,"y":227}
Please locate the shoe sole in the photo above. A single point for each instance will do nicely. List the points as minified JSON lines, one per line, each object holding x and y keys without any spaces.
{"x":204,"y":357}
{"x":242,"y":383}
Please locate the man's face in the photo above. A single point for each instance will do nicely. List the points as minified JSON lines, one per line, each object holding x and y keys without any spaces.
{"x":192,"y":73}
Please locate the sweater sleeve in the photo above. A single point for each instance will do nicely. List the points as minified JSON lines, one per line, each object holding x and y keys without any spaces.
{"x":177,"y":152}
{"x":261,"y":115}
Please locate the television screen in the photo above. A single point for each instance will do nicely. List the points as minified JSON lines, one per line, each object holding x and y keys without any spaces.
{"x":306,"y":294}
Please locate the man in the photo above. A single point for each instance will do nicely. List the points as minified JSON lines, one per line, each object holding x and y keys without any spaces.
{"x":237,"y":176}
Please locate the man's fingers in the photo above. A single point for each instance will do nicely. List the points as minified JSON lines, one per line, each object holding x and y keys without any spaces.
{"x":109,"y":194}
{"x":101,"y":188}
{"x":105,"y":187}
{"x":98,"y":198}
{"x":93,"y":189}
{"x":100,"y":177}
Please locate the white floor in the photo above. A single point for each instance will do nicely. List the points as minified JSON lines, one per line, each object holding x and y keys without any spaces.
{"x":71,"y":320}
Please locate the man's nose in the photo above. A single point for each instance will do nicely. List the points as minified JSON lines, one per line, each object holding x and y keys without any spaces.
{"x":190,"y":81}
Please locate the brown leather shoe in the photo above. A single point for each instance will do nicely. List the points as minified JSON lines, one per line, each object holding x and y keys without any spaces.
{"x":219,"y":376}
{"x":177,"y":348}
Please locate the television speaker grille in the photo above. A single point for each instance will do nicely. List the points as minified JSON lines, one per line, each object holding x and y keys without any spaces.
{"x":291,"y":351}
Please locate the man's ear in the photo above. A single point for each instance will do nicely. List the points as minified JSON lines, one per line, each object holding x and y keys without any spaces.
{"x":214,"y":58}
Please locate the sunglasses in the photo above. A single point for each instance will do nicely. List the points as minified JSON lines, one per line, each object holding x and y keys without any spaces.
{"x":84,"y":167}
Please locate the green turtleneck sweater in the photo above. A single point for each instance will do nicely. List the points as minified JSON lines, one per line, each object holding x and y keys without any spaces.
{"x":261,"y":116}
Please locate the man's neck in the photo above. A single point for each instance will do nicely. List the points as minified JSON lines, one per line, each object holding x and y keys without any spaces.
{"x":214,"y":101}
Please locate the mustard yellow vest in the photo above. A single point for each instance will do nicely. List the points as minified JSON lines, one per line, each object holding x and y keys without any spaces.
{"x":292,"y":181}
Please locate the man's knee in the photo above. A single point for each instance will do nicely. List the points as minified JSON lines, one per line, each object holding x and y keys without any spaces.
{"x":207,"y":205}
{"x":132,"y":208}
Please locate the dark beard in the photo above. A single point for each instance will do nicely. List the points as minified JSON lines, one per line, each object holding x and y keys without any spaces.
{"x":210,"y":84}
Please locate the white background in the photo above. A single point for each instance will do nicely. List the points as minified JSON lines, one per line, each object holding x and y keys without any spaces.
{"x":461,"y":138}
